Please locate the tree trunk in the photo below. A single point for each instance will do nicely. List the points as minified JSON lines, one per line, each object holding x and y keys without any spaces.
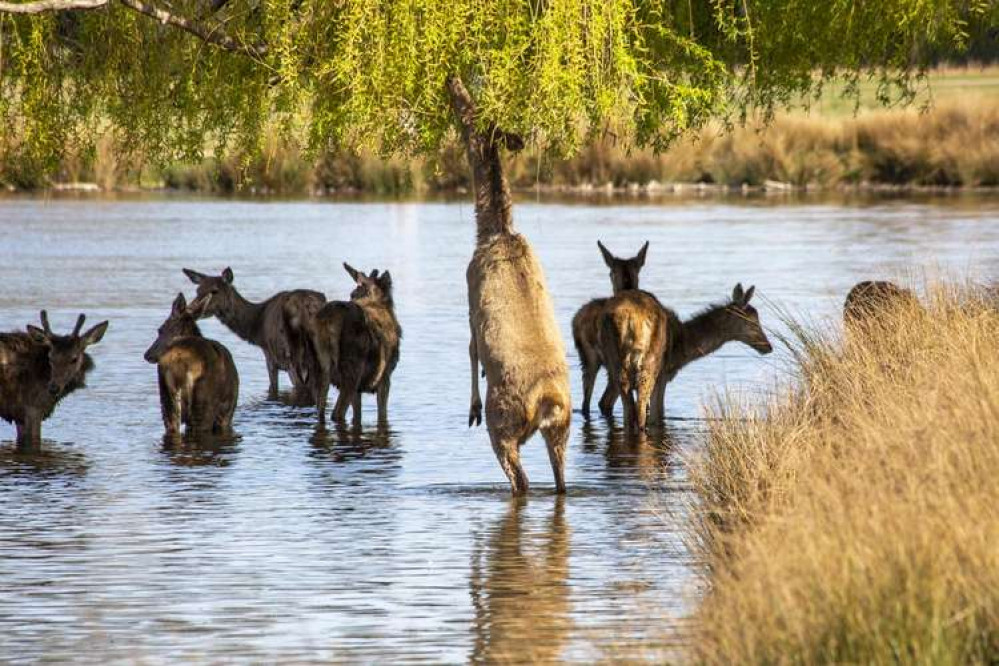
{"x":493,"y":202}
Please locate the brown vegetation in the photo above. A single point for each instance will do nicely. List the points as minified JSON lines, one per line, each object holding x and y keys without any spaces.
{"x":851,"y":519}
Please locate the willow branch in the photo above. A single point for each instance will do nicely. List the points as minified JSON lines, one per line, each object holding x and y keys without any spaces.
{"x":40,"y":6}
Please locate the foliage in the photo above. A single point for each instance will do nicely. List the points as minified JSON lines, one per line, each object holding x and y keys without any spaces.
{"x":371,"y":73}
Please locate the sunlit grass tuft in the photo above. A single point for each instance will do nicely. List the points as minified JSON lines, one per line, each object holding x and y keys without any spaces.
{"x":854,"y":517}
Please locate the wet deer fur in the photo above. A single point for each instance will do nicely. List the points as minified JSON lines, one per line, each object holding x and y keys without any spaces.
{"x":198,"y":382}
{"x":512,"y":320}
{"x":276,"y":325}
{"x":586,"y":323}
{"x":357,"y":346}
{"x":870,"y":299}
{"x":39,"y":368}
{"x":697,"y":337}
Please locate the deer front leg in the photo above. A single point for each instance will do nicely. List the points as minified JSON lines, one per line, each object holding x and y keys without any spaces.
{"x":475,"y":410}
{"x":29,"y":433}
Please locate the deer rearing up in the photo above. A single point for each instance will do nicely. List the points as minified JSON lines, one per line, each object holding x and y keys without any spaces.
{"x":512,"y":320}
{"x":198,"y":381}
{"x":38,"y":369}
{"x":276,"y":325}
{"x":586,"y":323}
{"x":357,"y":346}
{"x":705,"y":333}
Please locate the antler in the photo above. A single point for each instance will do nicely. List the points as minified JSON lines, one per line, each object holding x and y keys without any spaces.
{"x":45,"y":322}
{"x":79,"y":325}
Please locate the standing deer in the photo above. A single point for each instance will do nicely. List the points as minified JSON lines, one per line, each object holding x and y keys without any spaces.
{"x":870,"y":299}
{"x":704,"y":334}
{"x":40,"y":368}
{"x":511,"y":317}
{"x":276,"y":325}
{"x":198,"y":381}
{"x":633,"y":336}
{"x":586,"y":323}
{"x":357,"y":346}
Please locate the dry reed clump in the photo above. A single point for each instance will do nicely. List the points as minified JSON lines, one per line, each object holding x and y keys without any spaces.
{"x":855,"y":517}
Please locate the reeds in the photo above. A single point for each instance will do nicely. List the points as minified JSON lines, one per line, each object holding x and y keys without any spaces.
{"x":854,"y":516}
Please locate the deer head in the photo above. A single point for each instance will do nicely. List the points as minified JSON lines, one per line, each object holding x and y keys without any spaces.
{"x":182,"y":322}
{"x":66,"y":353}
{"x":624,"y":272}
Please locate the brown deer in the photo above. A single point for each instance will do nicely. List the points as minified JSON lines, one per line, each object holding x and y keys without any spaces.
{"x":633,"y":337}
{"x":869,"y":300}
{"x":198,"y":381}
{"x":357,"y":346}
{"x":276,"y":325}
{"x":586,"y":323}
{"x":705,"y":333}
{"x":512,"y":320}
{"x":38,"y":369}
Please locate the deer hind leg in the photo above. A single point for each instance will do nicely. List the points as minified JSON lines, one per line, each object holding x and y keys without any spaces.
{"x":355,"y":408}
{"x":507,"y":450}
{"x":383,"y":396}
{"x":645,"y":386}
{"x":272,"y":376}
{"x":591,"y":366}
{"x":556,"y":438}
{"x":608,"y":399}
{"x":657,"y":410}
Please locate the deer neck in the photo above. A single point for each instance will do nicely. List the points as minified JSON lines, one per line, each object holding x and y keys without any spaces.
{"x":243,"y":317}
{"x":493,"y":202}
{"x":701,"y":335}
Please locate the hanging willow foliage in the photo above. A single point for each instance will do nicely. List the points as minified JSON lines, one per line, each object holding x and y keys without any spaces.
{"x":372,"y":72}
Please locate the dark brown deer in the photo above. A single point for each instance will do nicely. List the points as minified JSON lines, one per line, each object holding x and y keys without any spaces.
{"x":586,"y":323}
{"x":633,"y":338}
{"x":510,"y":314}
{"x":276,"y":325}
{"x":199,"y":385}
{"x":869,"y":300}
{"x":704,"y":334}
{"x":38,"y":369}
{"x":357,"y":346}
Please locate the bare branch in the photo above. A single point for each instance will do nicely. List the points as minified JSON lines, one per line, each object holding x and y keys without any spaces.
{"x":40,"y":6}
{"x":212,"y":34}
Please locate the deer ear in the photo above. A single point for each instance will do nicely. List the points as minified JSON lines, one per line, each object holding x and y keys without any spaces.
{"x":355,"y":274}
{"x":608,"y":257}
{"x":227,"y":275}
{"x":194,"y":276}
{"x":640,"y":257}
{"x":37,"y":335}
{"x":749,"y":294}
{"x":94,"y":335}
{"x":197,"y":307}
{"x":385,"y":281}
{"x":179,"y":305}
{"x":738,"y":294}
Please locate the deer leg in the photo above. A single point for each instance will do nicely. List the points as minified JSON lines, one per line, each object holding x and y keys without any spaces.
{"x":657,"y":409}
{"x":645,"y":391}
{"x":29,"y":433}
{"x":556,"y":438}
{"x":590,"y":369}
{"x":272,"y":376}
{"x":383,"y":396}
{"x":608,"y":399}
{"x":322,"y":390}
{"x":475,"y":409}
{"x":507,"y":450}
{"x":355,"y":408}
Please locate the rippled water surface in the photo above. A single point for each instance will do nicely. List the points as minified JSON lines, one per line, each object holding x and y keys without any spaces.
{"x":295,"y":545}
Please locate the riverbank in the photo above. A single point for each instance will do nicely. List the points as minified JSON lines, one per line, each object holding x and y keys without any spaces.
{"x":851,"y":519}
{"x":953,"y":145}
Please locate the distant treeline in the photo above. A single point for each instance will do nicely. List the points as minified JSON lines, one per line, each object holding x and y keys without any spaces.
{"x":951,"y":145}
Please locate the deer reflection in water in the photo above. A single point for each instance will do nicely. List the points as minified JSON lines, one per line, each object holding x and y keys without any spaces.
{"x":520,"y":590}
{"x":645,"y":455}
{"x":199,"y":449}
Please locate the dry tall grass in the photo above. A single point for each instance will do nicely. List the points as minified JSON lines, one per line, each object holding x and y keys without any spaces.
{"x":855,"y":518}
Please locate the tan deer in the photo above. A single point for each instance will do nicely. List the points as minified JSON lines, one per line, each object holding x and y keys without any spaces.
{"x":586,"y":324}
{"x":512,"y":320}
{"x":633,"y":335}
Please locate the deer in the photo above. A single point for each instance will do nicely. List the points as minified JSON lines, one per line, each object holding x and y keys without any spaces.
{"x":869,"y":300}
{"x":198,"y":382}
{"x":586,"y":323}
{"x":276,"y":325}
{"x":38,"y":368}
{"x":357,"y":346}
{"x":514,"y":334}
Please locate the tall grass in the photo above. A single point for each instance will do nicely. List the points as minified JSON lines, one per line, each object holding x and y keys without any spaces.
{"x":854,"y":517}
{"x":955,"y":144}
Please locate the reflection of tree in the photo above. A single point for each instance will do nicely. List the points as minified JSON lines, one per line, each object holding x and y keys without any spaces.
{"x":519,"y":587}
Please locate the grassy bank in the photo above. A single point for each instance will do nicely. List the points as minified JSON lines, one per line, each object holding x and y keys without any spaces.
{"x":955,"y":144}
{"x":853,"y":518}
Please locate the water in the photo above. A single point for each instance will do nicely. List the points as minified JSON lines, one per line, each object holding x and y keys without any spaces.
{"x":284,"y":544}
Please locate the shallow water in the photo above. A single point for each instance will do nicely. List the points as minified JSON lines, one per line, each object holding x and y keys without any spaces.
{"x":403,"y":544}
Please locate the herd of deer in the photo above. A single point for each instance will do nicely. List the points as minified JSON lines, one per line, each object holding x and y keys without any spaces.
{"x":354,"y":345}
